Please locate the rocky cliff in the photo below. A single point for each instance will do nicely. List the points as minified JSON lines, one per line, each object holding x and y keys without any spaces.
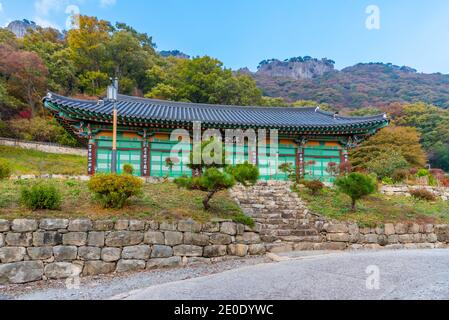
{"x":21,"y":27}
{"x":298,"y":68}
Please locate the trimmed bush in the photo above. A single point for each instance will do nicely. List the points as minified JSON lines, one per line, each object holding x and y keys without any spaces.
{"x":113,"y":190}
{"x":214,"y":180}
{"x":5,"y":169}
{"x":423,"y":194}
{"x":314,"y":186}
{"x":246,"y":174}
{"x":356,"y":185}
{"x":128,"y":169}
{"x":41,"y":196}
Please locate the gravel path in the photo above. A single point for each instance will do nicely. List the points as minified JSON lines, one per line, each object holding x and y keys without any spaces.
{"x":104,"y":287}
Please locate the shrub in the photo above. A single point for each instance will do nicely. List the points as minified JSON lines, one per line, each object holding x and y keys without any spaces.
{"x":314,"y":186}
{"x":388,"y":181}
{"x":5,"y":169}
{"x":400,"y":175}
{"x":128,"y":169}
{"x":423,"y":194}
{"x":246,"y":174}
{"x":113,"y":190}
{"x":445,"y":182}
{"x":356,"y":185}
{"x":41,"y":195}
{"x":287,"y":168}
{"x":386,"y":163}
{"x":422,"y":173}
{"x":213,"y":180}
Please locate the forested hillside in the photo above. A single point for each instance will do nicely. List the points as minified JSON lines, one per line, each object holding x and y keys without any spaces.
{"x":82,"y":63}
{"x":365,"y":84}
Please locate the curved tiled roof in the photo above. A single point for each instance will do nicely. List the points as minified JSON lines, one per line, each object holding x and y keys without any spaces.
{"x":150,"y":110}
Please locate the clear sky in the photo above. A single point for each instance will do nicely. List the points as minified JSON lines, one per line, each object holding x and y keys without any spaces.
{"x":244,"y":32}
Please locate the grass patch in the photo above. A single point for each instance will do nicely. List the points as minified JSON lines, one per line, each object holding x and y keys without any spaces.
{"x":376,"y":209}
{"x":25,"y":161}
{"x":160,"y":202}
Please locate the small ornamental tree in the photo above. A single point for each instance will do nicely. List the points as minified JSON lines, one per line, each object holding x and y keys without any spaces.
{"x":356,"y":185}
{"x":214,"y":180}
{"x":288,"y":169}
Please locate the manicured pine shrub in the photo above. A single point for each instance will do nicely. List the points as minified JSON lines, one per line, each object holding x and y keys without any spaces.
{"x":356,"y":185}
{"x":113,"y":190}
{"x":246,"y":174}
{"x":214,"y":180}
{"x":41,"y":195}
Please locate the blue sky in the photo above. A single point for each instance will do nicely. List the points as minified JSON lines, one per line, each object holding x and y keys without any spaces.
{"x":244,"y":32}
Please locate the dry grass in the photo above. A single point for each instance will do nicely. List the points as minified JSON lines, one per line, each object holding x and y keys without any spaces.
{"x":163,"y":201}
{"x":377,"y":209}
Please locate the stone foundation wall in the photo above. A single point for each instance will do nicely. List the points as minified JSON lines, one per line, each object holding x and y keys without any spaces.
{"x":342,"y":236}
{"x":44,"y":147}
{"x":403,"y":190}
{"x":32,"y":250}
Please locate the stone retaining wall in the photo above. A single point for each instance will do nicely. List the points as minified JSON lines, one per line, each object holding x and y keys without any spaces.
{"x":32,"y":250}
{"x":341,"y":236}
{"x":44,"y":147}
{"x":404,"y":190}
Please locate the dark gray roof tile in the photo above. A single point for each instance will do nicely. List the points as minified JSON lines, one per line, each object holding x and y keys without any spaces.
{"x":150,"y":109}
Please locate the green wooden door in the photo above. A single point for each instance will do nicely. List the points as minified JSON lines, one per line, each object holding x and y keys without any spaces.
{"x":236,"y":154}
{"x":129,"y":151}
{"x":317,"y":160}
{"x":161,"y":151}
{"x":269,"y":166}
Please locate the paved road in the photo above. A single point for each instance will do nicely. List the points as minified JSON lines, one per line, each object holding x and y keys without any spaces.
{"x":415,"y":274}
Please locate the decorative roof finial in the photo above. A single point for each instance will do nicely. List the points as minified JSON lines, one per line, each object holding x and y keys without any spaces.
{"x":317,"y":109}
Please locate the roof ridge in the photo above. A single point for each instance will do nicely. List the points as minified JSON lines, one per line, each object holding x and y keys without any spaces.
{"x":195,"y":104}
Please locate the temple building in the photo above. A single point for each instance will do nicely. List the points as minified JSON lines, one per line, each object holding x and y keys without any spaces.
{"x":309,"y":139}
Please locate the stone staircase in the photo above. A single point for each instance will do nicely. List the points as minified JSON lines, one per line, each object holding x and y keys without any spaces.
{"x":281,"y":216}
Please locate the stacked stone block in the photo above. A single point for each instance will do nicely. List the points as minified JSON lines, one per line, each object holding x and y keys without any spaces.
{"x":32,"y":250}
